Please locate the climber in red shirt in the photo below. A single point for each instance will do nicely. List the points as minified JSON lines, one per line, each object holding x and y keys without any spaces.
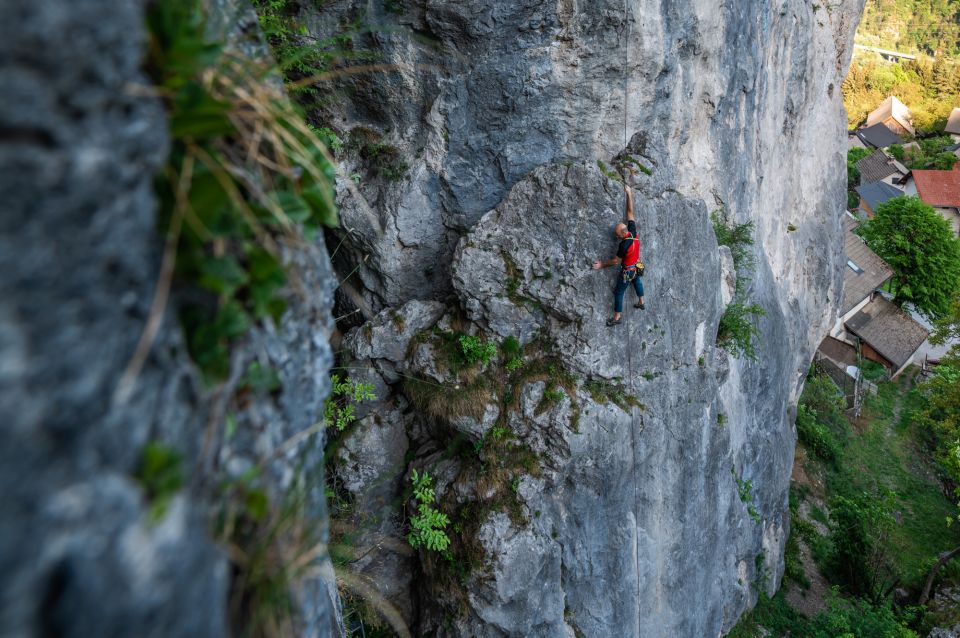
{"x":628,"y":257}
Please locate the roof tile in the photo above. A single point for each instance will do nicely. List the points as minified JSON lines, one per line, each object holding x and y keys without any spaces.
{"x":938,"y":188}
{"x":889,"y":330}
{"x":875,"y":271}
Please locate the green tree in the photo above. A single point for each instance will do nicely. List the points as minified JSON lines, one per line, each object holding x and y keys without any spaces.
{"x":938,"y":420}
{"x":854,"y":155}
{"x":920,"y":247}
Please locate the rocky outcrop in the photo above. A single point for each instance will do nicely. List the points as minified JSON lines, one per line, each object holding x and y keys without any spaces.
{"x":84,"y":550}
{"x":599,"y":482}
{"x":80,"y":256}
{"x":510,"y":119}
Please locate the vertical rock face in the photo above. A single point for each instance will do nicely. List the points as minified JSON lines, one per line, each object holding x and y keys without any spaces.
{"x":80,"y":256}
{"x":81,"y":552}
{"x":642,"y":522}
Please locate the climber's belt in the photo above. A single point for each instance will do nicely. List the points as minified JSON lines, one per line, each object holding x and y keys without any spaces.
{"x":629,"y":273}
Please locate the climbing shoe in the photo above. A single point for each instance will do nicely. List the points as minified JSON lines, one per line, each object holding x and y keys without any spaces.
{"x":639,"y":305}
{"x":613,"y":322}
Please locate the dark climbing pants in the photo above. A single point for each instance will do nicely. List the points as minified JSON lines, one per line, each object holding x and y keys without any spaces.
{"x":621,"y":288}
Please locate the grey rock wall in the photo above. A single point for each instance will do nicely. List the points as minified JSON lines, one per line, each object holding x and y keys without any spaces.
{"x":80,"y":251}
{"x":80,"y":254}
{"x":501,"y":110}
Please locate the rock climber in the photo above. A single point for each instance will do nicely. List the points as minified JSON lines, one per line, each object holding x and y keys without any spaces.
{"x":628,"y":257}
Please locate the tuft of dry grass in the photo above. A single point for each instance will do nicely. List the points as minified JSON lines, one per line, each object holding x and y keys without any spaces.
{"x":445,"y":401}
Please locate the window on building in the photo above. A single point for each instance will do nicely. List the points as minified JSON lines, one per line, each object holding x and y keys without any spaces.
{"x":855,"y":268}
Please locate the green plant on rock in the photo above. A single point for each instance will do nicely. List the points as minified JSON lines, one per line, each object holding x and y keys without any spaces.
{"x":160,"y":472}
{"x":345,"y":395}
{"x":476,"y":350}
{"x":300,"y":56}
{"x":428,"y":525}
{"x":745,"y":492}
{"x":738,"y":330}
{"x":608,"y":172}
{"x":605,"y":392}
{"x":245,"y":174}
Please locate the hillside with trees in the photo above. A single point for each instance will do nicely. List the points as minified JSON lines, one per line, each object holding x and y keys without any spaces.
{"x":929,"y":85}
{"x":929,"y":27}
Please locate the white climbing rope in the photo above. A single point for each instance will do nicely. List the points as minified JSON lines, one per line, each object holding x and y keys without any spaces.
{"x":634,"y":430}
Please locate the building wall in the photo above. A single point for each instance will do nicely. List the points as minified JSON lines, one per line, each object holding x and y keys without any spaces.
{"x":869,"y":353}
{"x":895,"y":126}
{"x":951,"y":215}
{"x":910,"y":188}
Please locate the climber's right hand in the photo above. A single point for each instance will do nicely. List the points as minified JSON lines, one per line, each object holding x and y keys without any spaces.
{"x":597,"y":265}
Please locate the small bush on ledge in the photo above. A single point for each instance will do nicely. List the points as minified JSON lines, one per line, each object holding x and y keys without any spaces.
{"x":738,"y":327}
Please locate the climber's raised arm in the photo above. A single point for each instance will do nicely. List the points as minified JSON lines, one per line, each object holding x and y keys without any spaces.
{"x":628,"y":257}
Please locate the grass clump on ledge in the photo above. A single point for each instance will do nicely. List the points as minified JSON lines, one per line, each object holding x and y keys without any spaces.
{"x":606,"y":392}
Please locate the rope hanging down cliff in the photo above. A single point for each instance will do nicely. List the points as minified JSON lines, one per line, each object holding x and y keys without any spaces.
{"x":634,"y":433}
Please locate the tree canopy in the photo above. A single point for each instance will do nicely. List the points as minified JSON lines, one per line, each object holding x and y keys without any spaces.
{"x":931,"y":154}
{"x":911,"y":26}
{"x":921,"y":248}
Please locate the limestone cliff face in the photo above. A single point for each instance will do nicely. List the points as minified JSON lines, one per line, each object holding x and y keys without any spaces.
{"x":633,"y":523}
{"x":80,"y":252}
{"x":593,"y":487}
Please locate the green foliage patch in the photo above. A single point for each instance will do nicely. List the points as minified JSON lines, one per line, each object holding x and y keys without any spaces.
{"x":476,"y":350}
{"x":920,"y":246}
{"x":427,"y":525}
{"x":244,"y":173}
{"x":821,"y":424}
{"x":160,"y":473}
{"x":745,"y":492}
{"x":340,"y":409}
{"x":931,"y":154}
{"x":738,"y":329}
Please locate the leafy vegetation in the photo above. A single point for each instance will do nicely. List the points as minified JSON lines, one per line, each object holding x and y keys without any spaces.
{"x":931,"y":154}
{"x":428,"y":524}
{"x":821,"y":424}
{"x":738,"y":329}
{"x":920,"y":246}
{"x":345,"y":394}
{"x":302,"y":58}
{"x":745,"y":492}
{"x":244,"y":175}
{"x":860,"y":526}
{"x":160,"y":472}
{"x":843,"y":618}
{"x":911,"y":26}
{"x":929,"y":88}
{"x":476,"y":350}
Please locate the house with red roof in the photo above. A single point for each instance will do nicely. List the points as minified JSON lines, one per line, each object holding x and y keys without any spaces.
{"x":940,"y":189}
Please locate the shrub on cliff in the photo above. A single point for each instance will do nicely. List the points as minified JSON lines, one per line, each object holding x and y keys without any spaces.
{"x":738,"y":328}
